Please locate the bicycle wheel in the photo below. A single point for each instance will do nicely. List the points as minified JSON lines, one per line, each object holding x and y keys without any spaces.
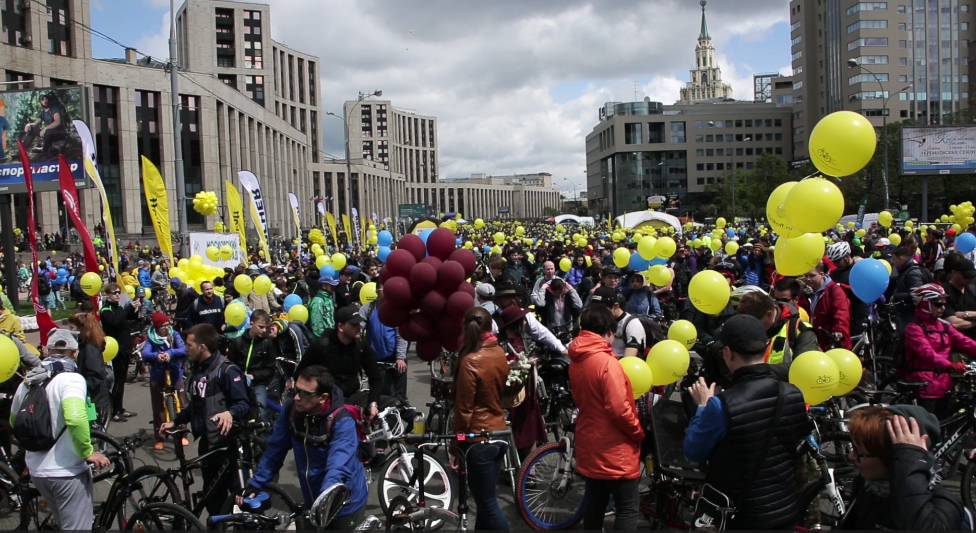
{"x":438,"y":488}
{"x":35,"y":513}
{"x":968,"y":483}
{"x":170,"y":402}
{"x":164,"y":517}
{"x":119,"y":463}
{"x":547,"y":497}
{"x":146,"y":484}
{"x":281,"y":504}
{"x":11,"y":495}
{"x":814,"y":508}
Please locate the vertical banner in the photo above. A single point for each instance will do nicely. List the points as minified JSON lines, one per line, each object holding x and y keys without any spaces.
{"x":332,"y":228}
{"x":70,"y":194}
{"x":293,"y":199}
{"x":88,"y":146}
{"x":235,"y":210}
{"x":346,"y":226}
{"x":356,"y":226}
{"x":158,"y":202}
{"x":44,"y":321}
{"x":259,"y":213}
{"x":321,"y":208}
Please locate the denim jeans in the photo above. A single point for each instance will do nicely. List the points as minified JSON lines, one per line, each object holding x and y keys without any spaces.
{"x":261,"y":394}
{"x":484,"y":466}
{"x":625,"y":494}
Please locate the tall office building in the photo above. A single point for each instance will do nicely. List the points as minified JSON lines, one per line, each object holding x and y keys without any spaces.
{"x":912,"y":61}
{"x":706,"y":77}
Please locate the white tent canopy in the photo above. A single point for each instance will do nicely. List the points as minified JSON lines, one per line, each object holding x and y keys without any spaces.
{"x":654,"y":219}
{"x":573,"y":219}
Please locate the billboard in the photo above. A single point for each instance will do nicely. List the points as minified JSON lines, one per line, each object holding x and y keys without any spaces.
{"x":934,"y":150}
{"x":41,"y":118}
{"x":413,"y":210}
{"x":199,"y":241}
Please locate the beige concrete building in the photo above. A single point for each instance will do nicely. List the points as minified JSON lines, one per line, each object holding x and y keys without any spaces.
{"x":240,"y":108}
{"x":706,"y":77}
{"x":642,"y":149}
{"x":912,"y":60}
{"x":485,"y":196}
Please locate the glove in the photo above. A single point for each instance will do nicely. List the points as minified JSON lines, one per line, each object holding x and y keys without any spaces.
{"x":837,"y":336}
{"x":958,"y":367}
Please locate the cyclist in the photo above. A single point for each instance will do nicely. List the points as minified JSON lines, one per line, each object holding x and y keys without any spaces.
{"x":255,"y":353}
{"x":10,"y":324}
{"x":321,"y":310}
{"x":218,"y":398}
{"x":164,"y":350}
{"x":388,"y":347}
{"x":115,"y":323}
{"x":185,"y":296}
{"x":789,"y":335}
{"x":839,"y":254}
{"x":828,"y":307}
{"x":324,"y":442}
{"x":630,"y":338}
{"x":559,"y":304}
{"x":208,"y":308}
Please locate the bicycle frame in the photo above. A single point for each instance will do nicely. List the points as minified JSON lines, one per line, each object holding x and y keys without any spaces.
{"x":185,"y":472}
{"x":170,"y":391}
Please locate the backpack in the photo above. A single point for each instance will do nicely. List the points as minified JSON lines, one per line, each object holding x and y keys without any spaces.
{"x":653,"y":332}
{"x":32,"y":426}
{"x":43,"y":285}
{"x":251,"y":397}
{"x":367,"y":449}
{"x":76,"y":291}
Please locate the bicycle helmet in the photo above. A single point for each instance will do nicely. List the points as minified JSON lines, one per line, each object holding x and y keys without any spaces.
{"x":838,"y":250}
{"x":739,"y":292}
{"x":611,"y":270}
{"x":928,"y":293}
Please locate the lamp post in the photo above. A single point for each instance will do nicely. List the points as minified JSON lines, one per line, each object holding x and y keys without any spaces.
{"x":852,"y":63}
{"x":345,"y":124}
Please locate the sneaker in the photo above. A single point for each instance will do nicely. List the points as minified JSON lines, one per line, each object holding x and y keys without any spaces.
{"x":118,"y":418}
{"x":158,"y":446}
{"x":127,"y":414}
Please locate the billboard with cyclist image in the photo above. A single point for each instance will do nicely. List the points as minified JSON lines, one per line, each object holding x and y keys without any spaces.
{"x":41,"y":118}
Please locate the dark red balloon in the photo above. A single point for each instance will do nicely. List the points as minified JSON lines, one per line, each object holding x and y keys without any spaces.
{"x":433,"y":261}
{"x":423,"y":277}
{"x":458,"y":304}
{"x":467,"y":260}
{"x":400,"y":262}
{"x":441,"y":242}
{"x":449,"y":328}
{"x":412,"y":244}
{"x":466,"y":287}
{"x":419,"y":327}
{"x":433,"y":305}
{"x":453,"y":344}
{"x":385,"y":274}
{"x":397,"y":291}
{"x":428,"y":350}
{"x":449,"y":276}
{"x":392,"y":315}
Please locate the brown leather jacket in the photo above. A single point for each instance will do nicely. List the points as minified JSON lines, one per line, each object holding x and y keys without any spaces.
{"x":478,"y":390}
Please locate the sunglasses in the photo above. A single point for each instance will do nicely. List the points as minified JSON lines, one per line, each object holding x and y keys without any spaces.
{"x":115,"y":292}
{"x":306,"y":393}
{"x":938,"y":304}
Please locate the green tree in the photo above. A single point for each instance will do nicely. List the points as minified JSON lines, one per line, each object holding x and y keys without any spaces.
{"x":752,"y":189}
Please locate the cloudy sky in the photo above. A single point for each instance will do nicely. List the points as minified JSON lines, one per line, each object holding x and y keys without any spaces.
{"x":515,"y":84}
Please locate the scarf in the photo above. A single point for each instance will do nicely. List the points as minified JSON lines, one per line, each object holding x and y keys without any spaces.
{"x":166,"y":341}
{"x":878,"y":487}
{"x":557,"y":298}
{"x":488,"y":337}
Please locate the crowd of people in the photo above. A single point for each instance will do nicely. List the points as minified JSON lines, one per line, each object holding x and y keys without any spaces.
{"x":541,"y":292}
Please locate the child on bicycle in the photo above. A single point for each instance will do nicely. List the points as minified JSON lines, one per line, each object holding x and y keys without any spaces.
{"x":165,"y":352}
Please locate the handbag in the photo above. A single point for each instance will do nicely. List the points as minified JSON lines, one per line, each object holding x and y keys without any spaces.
{"x":714,"y":508}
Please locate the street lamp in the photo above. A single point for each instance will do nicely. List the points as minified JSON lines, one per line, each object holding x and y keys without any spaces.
{"x":345,"y":125}
{"x":852,"y":63}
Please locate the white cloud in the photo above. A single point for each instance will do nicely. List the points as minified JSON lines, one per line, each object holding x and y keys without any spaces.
{"x":156,"y":44}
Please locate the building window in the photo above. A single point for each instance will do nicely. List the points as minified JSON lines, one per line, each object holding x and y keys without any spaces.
{"x":253,"y":53}
{"x":655,"y":133}
{"x":797,"y":55}
{"x":867,"y":78}
{"x":710,"y":152}
{"x":902,"y":44}
{"x":964,"y":8}
{"x":867,"y":41}
{"x":872,"y":60}
{"x":301,"y":81}
{"x":14,"y":22}
{"x":778,"y":122}
{"x":964,"y":26}
{"x":903,"y":61}
{"x":311,"y":83}
{"x":58,"y":34}
{"x":229,"y":80}
{"x":867,"y":6}
{"x":314,"y":126}
{"x":867,"y":25}
{"x":224,"y":27}
{"x":632,"y":133}
{"x":106,"y":126}
{"x":192,"y":155}
{"x":148,"y":132}
{"x":254,"y":88}
{"x":700,"y":153}
{"x":700,"y":181}
{"x":901,"y":9}
{"x":677,"y":132}
{"x":796,"y":40}
{"x":875,"y":112}
{"x":795,"y":26}
{"x":869,"y":95}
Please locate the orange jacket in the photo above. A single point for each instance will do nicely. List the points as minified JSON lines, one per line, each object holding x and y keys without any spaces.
{"x":608,"y":434}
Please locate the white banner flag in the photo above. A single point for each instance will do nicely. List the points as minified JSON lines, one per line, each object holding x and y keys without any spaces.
{"x":259,"y":213}
{"x":293,"y":199}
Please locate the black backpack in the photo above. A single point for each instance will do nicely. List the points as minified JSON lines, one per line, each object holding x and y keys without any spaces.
{"x":43,"y":285}
{"x":653,"y":332}
{"x":32,"y":425}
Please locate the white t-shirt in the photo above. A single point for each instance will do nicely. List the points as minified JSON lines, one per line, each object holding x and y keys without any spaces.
{"x":633,"y":336}
{"x":61,"y":460}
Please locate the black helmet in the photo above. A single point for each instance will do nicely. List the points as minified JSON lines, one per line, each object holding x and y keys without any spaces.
{"x":611,"y":270}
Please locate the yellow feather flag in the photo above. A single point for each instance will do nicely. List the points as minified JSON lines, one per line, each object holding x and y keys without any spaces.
{"x":332,"y":228}
{"x":346,"y":226}
{"x":235,"y":209}
{"x":158,"y":203}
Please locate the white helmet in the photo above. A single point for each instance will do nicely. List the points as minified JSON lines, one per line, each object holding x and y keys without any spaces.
{"x":838,"y":251}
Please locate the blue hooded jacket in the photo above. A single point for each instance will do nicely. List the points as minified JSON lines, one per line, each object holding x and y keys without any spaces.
{"x":318,"y":465}
{"x":177,"y":355}
{"x":145,"y":277}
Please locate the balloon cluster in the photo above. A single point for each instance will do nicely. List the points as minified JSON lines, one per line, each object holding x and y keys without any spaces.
{"x":426,"y":294}
{"x":821,"y":375}
{"x":961,"y":217}
{"x":205,"y":203}
{"x":193,"y":272}
{"x":219,"y":227}
{"x":315,"y":236}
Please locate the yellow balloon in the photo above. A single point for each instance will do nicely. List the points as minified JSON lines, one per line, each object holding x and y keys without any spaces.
{"x":621,"y":257}
{"x":298,"y":312}
{"x":775,"y":213}
{"x":367,"y":293}
{"x":478,"y":223}
{"x":645,"y":247}
{"x":668,"y":361}
{"x":213,"y":253}
{"x":731,"y":247}
{"x":262,"y":285}
{"x":321,"y":261}
{"x":111,"y":349}
{"x":175,"y":272}
{"x":684,"y":332}
{"x":720,"y":222}
{"x":886,"y":265}
{"x":851,"y":225}
{"x":709,"y":292}
{"x":91,"y":283}
{"x":842,"y":143}
{"x":849,"y":367}
{"x":9,"y":360}
{"x":235,"y":313}
{"x":697,"y":243}
{"x":243,"y":285}
{"x":338,"y":261}
{"x":130,"y":290}
{"x":861,"y":232}
{"x":908,"y":224}
{"x":183,"y":264}
{"x":895,"y":238}
{"x":664,"y":247}
{"x":659,"y":275}
{"x":195,"y":262}
{"x":520,"y":231}
{"x":799,"y":255}
{"x":814,"y":205}
{"x":885,"y":218}
{"x":581,"y":242}
{"x":715,"y":244}
{"x":565,"y":264}
{"x":816,"y":375}
{"x":226,"y":252}
{"x":639,"y":373}
{"x":148,"y":294}
{"x":468,"y":245}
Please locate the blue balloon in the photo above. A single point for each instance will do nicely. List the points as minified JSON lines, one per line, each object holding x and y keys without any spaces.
{"x":730,"y":232}
{"x":384,"y":238}
{"x":869,"y":280}
{"x":658,"y":261}
{"x":327,"y":270}
{"x":487,"y":249}
{"x":425,"y":234}
{"x":62,"y":273}
{"x":291,"y":300}
{"x":457,"y":242}
{"x":966,"y":242}
{"x":638,"y":263}
{"x":382,"y":253}
{"x":709,"y":235}
{"x":857,"y":225}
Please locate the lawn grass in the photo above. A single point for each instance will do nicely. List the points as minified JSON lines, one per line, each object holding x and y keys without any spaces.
{"x":27,"y":309}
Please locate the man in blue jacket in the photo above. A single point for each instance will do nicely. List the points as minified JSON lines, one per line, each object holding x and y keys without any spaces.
{"x":323,"y":436}
{"x":145,"y":276}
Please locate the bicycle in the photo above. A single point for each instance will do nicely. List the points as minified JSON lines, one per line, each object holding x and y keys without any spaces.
{"x":403,"y":514}
{"x":171,"y":399}
{"x":325,"y":508}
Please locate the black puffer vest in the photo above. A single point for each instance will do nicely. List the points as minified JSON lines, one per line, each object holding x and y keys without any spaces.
{"x":769,"y":500}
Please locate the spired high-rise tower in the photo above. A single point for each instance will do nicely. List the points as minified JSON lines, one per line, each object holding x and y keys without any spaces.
{"x":706,"y":77}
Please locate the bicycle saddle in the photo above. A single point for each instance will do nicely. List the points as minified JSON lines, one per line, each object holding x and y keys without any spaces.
{"x":909,"y":386}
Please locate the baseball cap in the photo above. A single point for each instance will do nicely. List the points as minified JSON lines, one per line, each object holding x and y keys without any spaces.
{"x":175,"y":282}
{"x":744,"y":334}
{"x":962,"y":266}
{"x":140,"y":292}
{"x":485,"y":289}
{"x":328,"y":280}
{"x":348,"y":271}
{"x":348,"y":314}
{"x":61,"y":339}
{"x":748,"y":245}
{"x":604,"y":296}
{"x":883,"y":242}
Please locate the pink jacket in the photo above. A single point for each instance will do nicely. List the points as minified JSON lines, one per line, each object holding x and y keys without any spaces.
{"x":927,"y":345}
